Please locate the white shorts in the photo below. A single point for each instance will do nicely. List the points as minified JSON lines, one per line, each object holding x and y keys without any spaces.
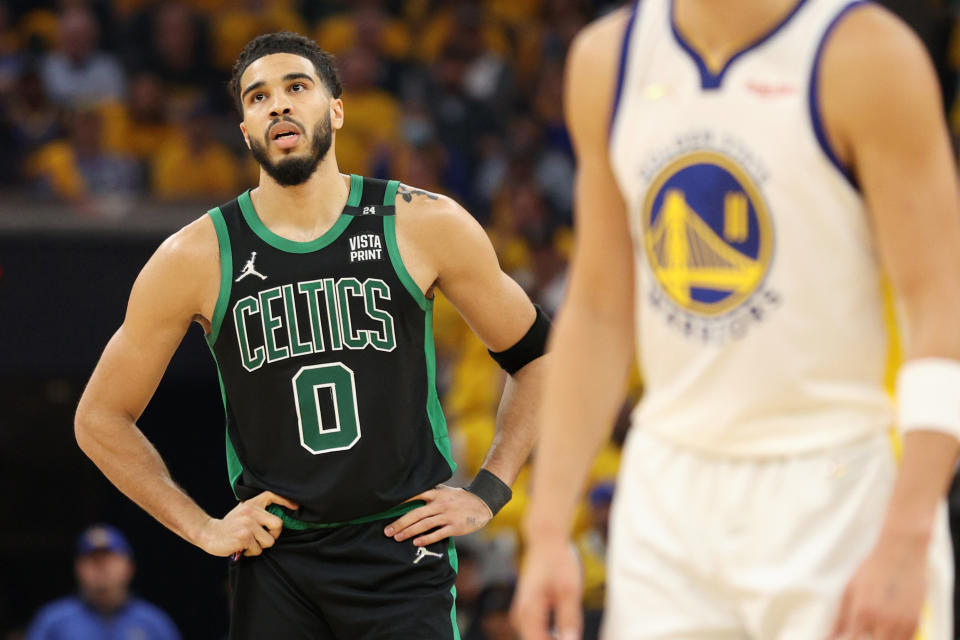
{"x":707,"y":547}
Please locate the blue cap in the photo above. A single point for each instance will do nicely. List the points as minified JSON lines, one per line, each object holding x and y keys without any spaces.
{"x":601,"y":494}
{"x":103,"y":537}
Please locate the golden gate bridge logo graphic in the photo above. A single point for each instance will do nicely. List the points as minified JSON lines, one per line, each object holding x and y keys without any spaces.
{"x":707,"y":233}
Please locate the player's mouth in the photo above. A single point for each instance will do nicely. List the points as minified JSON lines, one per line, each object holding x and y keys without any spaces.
{"x":285,"y":135}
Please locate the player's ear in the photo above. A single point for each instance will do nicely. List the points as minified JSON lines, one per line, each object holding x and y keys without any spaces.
{"x":336,"y":113}
{"x":246,"y":136}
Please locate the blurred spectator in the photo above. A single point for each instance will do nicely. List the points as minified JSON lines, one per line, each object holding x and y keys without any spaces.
{"x":35,"y":120}
{"x":371,"y":115}
{"x":459,"y":119}
{"x":11,"y":57}
{"x":237,"y":23}
{"x":80,"y":170}
{"x":592,"y":550}
{"x":492,"y":620}
{"x":139,"y":125}
{"x":172,"y":42}
{"x":366,"y":25}
{"x":77,"y":73}
{"x":192,"y":163}
{"x":104,"y":607}
{"x":548,"y":268}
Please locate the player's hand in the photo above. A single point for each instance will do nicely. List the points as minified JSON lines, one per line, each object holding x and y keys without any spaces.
{"x":248,"y":528}
{"x":451,"y":511}
{"x":550,"y":581}
{"x":884,"y":599}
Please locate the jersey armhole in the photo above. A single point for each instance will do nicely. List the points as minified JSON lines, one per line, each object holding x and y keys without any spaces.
{"x":390,"y":236}
{"x":622,"y":66}
{"x":390,"y":195}
{"x":226,"y":274}
{"x":813,"y":97}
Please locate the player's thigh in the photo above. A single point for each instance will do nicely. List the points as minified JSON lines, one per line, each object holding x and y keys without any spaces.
{"x":265,"y":604}
{"x":803,"y":564}
{"x":387,"y":589}
{"x":659,"y":559}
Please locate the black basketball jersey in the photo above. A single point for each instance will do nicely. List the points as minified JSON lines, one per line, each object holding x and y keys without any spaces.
{"x":326,"y":360}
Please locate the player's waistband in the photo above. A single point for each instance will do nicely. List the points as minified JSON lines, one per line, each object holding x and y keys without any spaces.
{"x":289,"y":522}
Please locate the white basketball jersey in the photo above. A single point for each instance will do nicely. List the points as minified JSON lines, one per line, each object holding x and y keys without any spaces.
{"x":759,"y":303}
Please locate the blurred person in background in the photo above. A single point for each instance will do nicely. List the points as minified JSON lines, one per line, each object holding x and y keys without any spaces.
{"x":749,"y":171}
{"x":78,"y":73}
{"x":374,"y":113}
{"x":104,"y":608}
{"x":192,"y":163}
{"x":34,"y":119}
{"x":364,"y":526}
{"x":79,"y":170}
{"x":492,"y":620}
{"x":591,"y":547}
{"x":139,"y":125}
{"x":172,"y":41}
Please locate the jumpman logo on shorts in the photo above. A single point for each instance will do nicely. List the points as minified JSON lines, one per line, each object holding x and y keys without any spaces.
{"x":248,"y":269}
{"x":423,"y":552}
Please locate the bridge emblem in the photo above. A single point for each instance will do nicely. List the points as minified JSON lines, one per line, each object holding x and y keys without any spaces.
{"x":707,"y":233}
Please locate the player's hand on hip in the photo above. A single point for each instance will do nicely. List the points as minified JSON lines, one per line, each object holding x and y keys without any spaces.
{"x":550,"y":581}
{"x":884,"y":600}
{"x":448,"y":511}
{"x":249,"y":528}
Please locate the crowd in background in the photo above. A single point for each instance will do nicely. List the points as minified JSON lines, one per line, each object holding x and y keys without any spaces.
{"x":107,"y":104}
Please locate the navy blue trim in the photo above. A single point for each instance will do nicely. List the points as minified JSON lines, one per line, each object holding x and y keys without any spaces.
{"x":622,"y":69}
{"x":708,"y":79}
{"x":813,"y":97}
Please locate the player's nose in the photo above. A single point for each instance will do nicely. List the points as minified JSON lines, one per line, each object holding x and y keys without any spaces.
{"x":280,"y":107}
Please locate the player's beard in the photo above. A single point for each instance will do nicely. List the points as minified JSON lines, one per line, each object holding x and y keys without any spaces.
{"x":293,"y":170}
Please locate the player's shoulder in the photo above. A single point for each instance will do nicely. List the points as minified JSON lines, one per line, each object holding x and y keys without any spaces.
{"x":428,"y":211}
{"x":592,"y":75}
{"x":191,"y":246}
{"x":602,"y":39}
{"x":438,"y":226}
{"x":874,"y":69}
{"x":869,"y":42}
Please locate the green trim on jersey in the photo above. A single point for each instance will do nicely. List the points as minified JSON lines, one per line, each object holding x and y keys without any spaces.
{"x":292,"y":523}
{"x":234,"y":466}
{"x":438,"y":422}
{"x":455,"y":563}
{"x":390,"y":195}
{"x":434,"y":411}
{"x":390,"y":235}
{"x":226,"y":274}
{"x":356,"y":190}
{"x":292,"y":246}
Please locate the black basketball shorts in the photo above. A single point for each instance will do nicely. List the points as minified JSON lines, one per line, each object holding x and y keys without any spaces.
{"x":344,"y":583}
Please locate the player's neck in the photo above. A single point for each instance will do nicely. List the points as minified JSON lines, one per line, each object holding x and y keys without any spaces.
{"x":718,"y":29}
{"x":307,"y":209}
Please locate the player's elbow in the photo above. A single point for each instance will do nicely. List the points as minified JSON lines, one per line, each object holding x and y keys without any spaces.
{"x":87,"y":427}
{"x":83,"y":428}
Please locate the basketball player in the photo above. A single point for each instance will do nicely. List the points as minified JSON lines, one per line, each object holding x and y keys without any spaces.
{"x":747,"y":170}
{"x":315,"y":291}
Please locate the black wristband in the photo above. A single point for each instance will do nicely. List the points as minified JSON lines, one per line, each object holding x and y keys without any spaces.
{"x":494,"y":492}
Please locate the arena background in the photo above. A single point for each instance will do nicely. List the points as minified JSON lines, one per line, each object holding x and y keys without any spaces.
{"x":116,"y":129}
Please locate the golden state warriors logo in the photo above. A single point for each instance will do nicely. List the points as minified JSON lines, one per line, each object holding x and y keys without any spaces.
{"x":707,"y":233}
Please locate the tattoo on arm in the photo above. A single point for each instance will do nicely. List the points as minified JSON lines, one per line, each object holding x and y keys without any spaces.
{"x":407,"y":193}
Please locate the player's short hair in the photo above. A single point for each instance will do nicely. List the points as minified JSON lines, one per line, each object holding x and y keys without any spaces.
{"x":285,"y":42}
